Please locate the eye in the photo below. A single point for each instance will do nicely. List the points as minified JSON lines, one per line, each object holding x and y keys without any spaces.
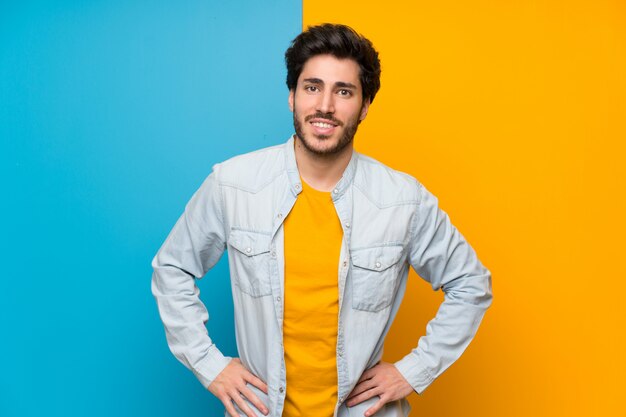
{"x":344,"y":92}
{"x":311,"y":88}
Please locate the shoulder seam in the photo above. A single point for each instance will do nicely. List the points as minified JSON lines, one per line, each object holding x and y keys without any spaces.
{"x":250,"y":190}
{"x":384,"y":206}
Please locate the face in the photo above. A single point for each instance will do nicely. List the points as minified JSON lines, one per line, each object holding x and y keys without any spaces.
{"x":327,"y":104}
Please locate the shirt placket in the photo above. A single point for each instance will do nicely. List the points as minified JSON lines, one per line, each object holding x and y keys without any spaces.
{"x":343,"y":206}
{"x":277,"y":278}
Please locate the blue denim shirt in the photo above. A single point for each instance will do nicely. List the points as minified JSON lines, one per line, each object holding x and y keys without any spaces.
{"x":390,"y":222}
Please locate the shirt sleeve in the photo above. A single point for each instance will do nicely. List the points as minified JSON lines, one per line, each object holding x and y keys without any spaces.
{"x":441,"y":256}
{"x":194,"y":245}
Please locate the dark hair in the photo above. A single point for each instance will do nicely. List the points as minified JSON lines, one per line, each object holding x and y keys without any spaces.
{"x":340,"y":41}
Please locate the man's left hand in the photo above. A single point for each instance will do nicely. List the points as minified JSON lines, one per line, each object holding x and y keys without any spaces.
{"x":383,"y":380}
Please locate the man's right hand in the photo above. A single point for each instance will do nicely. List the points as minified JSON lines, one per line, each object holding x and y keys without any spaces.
{"x":230,"y":387}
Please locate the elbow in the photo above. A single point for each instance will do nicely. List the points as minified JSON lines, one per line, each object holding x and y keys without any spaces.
{"x":485,"y":296}
{"x":475,"y":290}
{"x":483,"y":292}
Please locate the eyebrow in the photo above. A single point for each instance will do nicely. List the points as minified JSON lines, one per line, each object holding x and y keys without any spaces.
{"x":337,"y":84}
{"x":345,"y":85}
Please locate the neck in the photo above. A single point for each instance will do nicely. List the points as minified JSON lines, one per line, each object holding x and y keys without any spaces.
{"x":321,"y":172}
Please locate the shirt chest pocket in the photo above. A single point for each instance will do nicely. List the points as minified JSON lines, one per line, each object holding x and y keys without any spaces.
{"x":375,"y":276}
{"x":250,"y":261}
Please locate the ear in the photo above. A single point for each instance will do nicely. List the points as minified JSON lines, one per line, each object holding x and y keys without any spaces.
{"x":364,"y":108}
{"x":291,"y":94}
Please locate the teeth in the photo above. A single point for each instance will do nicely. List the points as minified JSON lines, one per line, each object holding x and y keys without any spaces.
{"x":323,"y":125}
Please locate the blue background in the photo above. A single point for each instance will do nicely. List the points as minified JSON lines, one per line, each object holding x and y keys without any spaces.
{"x":111,"y":115}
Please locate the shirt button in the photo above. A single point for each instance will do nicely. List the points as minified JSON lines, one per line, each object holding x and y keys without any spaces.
{"x":273,"y":254}
{"x":347,"y":225}
{"x":335,"y":191}
{"x":297,"y":186}
{"x":280,"y":215}
{"x":377,"y":265}
{"x":248,"y":250}
{"x":345,"y":263}
{"x":281,"y":389}
{"x":278,"y":298}
{"x":341,"y":399}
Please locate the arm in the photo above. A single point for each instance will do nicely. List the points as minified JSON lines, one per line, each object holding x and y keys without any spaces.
{"x":441,"y":256}
{"x":194,"y":245}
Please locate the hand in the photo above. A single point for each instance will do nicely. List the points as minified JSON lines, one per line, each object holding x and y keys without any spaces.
{"x":383,"y":380}
{"x":230,"y":385}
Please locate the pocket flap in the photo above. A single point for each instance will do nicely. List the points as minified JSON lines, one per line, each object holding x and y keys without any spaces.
{"x":378,"y":258}
{"x":250,"y":243}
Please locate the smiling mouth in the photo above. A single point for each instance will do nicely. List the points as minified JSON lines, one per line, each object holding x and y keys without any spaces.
{"x":323,"y":129}
{"x":323,"y":120}
{"x":323,"y":125}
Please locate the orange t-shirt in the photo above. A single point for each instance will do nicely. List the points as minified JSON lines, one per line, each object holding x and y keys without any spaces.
{"x":313,"y":237}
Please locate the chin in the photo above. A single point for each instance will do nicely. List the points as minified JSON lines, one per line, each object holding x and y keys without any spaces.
{"x":323,"y":146}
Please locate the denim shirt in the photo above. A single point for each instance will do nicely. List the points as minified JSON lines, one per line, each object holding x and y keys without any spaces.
{"x":390,"y":222}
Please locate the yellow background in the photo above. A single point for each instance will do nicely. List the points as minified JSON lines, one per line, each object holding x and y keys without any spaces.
{"x":513,"y":114}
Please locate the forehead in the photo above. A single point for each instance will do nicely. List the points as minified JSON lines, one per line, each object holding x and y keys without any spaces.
{"x":331,"y":69}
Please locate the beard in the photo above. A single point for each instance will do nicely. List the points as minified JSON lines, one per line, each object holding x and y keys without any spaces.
{"x":349,"y":130}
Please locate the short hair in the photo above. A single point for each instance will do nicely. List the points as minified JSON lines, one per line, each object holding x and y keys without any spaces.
{"x":341,"y":41}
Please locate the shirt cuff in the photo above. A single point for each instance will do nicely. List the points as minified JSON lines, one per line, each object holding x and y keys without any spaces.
{"x":414,"y":371}
{"x":210,"y":366}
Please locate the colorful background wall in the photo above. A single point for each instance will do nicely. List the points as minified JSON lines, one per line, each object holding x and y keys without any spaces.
{"x":112,"y":113}
{"x":514,"y":115}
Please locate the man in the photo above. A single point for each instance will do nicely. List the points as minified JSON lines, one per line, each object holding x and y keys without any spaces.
{"x":319,"y":239}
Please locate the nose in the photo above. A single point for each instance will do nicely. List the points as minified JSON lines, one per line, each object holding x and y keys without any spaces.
{"x":326,"y":102}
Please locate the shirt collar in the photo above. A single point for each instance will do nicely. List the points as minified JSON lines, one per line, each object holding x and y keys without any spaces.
{"x":294,"y":174}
